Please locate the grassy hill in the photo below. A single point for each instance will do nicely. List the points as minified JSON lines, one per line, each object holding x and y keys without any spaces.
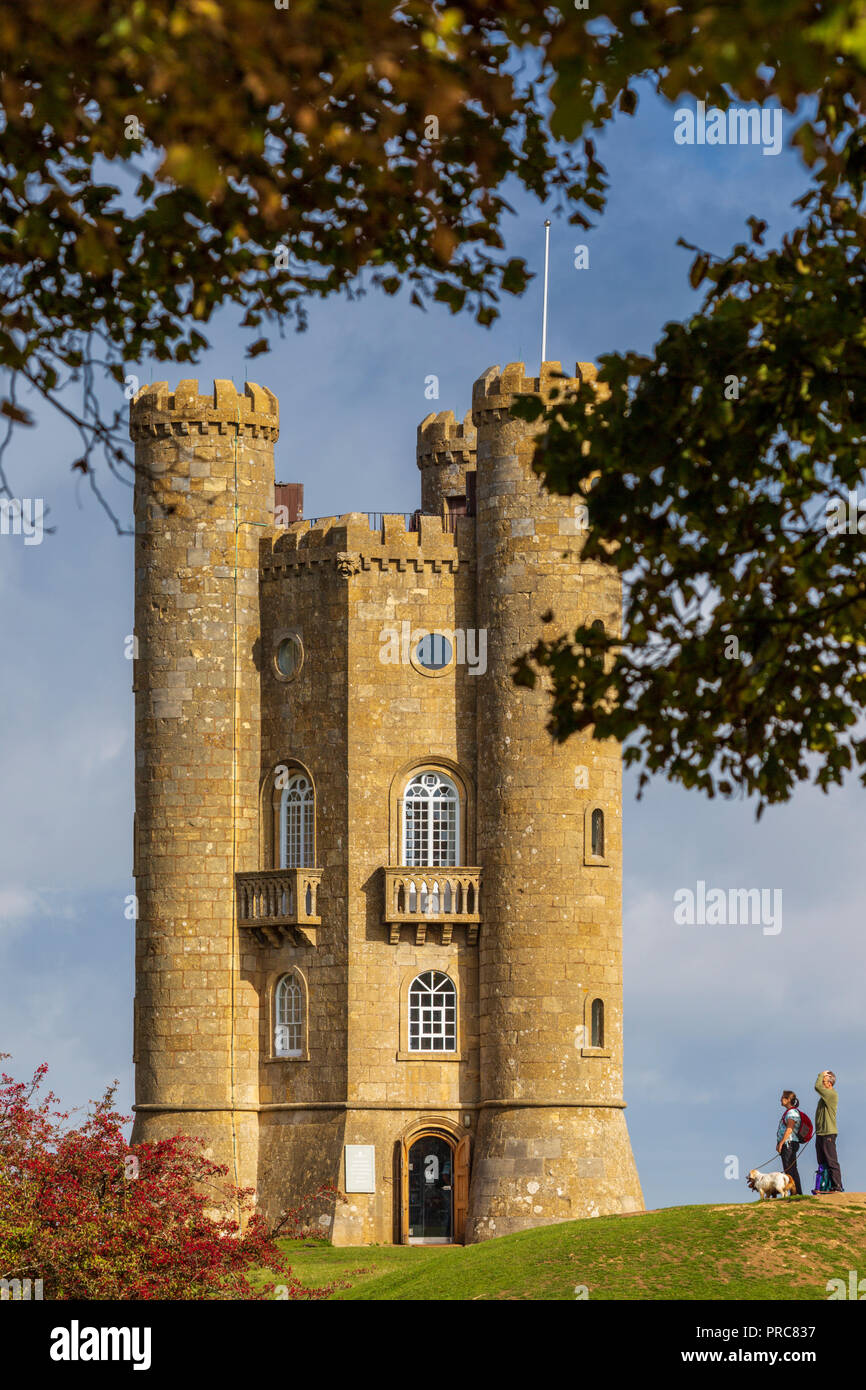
{"x":767,"y":1250}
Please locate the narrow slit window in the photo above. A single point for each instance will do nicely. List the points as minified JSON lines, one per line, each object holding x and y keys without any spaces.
{"x":598,"y":834}
{"x":597,"y":1023}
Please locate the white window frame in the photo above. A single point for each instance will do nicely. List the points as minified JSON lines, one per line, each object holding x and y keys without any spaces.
{"x":424,"y":1032}
{"x":305,"y":831}
{"x":289,"y":1022}
{"x":431,"y":781}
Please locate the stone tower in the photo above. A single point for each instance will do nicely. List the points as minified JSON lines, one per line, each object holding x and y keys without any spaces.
{"x":299,"y":887}
{"x":552,"y":1141}
{"x":203,"y":494}
{"x":446,"y":458}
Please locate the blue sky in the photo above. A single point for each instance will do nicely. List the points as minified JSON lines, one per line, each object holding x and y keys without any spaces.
{"x":717,"y":1019}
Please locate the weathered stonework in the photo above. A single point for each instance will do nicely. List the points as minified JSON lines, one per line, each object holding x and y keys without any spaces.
{"x":551,"y":1128}
{"x":525,"y":1093}
{"x":445,"y":453}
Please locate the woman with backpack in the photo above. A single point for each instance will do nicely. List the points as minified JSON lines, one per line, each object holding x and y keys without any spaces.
{"x":792,"y":1132}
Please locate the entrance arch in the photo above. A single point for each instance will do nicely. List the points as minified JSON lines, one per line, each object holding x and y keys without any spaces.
{"x":434,"y":1185}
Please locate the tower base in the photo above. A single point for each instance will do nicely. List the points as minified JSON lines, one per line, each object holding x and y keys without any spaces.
{"x":228,"y":1138}
{"x":538,"y":1165}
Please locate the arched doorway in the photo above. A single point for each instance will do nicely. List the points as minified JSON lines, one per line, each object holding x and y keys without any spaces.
{"x":434,"y":1187}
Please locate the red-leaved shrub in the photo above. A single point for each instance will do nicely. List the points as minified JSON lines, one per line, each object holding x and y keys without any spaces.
{"x":95,"y":1218}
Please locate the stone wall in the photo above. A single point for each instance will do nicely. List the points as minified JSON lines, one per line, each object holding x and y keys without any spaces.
{"x":361,"y":723}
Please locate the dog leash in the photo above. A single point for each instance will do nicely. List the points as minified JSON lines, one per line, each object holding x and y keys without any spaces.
{"x":777,"y":1156}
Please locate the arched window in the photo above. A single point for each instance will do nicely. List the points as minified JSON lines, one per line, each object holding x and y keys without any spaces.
{"x":597,"y":1023}
{"x":598,"y":833}
{"x":432,"y":1013}
{"x":297,"y":812}
{"x":431,"y":821}
{"x":289,"y":1017}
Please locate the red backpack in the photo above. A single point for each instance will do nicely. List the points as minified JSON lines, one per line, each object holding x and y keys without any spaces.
{"x":805,"y":1130}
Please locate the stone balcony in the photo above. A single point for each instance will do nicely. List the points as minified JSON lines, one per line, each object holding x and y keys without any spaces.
{"x":279,"y":905}
{"x":445,"y":897}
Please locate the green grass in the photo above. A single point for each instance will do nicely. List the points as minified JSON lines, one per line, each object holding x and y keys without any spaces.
{"x":769,"y":1250}
{"x":317,"y":1264}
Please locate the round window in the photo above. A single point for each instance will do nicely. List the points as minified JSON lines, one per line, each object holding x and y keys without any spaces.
{"x":434,"y":652}
{"x":289,"y":656}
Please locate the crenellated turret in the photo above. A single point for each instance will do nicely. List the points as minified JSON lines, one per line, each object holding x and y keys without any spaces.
{"x":204,"y":489}
{"x":552,"y":1142}
{"x":446,"y":458}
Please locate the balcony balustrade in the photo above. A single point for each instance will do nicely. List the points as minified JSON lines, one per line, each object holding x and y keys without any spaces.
{"x":277,"y":905}
{"x":445,"y":897}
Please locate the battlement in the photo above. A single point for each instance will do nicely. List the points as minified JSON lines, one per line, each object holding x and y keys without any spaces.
{"x":409,"y":529}
{"x":158,"y":412}
{"x":444,"y":440}
{"x":493,"y":392}
{"x":363,"y":540}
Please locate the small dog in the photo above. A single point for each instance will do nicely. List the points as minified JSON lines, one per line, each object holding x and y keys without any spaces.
{"x":771,"y":1184}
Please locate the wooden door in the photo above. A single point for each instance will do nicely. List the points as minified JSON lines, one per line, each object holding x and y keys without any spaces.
{"x":290,"y":496}
{"x":461,"y":1189}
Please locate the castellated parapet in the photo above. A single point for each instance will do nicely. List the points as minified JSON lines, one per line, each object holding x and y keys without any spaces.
{"x":290,"y":703}
{"x":445,"y":455}
{"x":157,"y":412}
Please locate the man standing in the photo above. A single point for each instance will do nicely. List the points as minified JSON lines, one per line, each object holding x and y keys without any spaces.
{"x":825,"y":1128}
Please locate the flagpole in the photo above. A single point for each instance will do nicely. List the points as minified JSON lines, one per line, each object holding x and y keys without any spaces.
{"x":544,"y":313}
